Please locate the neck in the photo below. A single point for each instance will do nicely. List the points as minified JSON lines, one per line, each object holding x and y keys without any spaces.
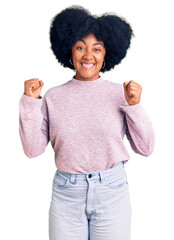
{"x":97,"y":81}
{"x":87,"y":79}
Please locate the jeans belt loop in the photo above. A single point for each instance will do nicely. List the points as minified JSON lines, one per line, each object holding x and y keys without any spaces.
{"x":72,"y":178}
{"x":101,"y":176}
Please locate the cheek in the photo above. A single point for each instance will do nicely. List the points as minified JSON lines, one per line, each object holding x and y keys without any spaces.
{"x":76,"y":57}
{"x":100,"y":59}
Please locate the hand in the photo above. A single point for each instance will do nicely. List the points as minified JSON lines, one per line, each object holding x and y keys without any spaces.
{"x":33,"y":87}
{"x":132,"y":92}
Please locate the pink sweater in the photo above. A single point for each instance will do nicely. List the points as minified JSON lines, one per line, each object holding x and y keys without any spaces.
{"x":85,"y":121}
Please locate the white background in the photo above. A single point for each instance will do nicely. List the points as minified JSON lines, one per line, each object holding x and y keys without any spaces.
{"x":25,"y":184}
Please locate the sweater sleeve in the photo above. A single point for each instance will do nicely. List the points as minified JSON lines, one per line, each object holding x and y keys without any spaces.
{"x":33,"y":125}
{"x":139,"y":129}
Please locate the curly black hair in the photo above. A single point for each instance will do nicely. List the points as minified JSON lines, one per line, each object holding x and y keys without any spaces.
{"x":76,"y":22}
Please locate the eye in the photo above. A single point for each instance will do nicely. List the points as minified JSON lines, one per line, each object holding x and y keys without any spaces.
{"x":79,"y":48}
{"x":97,"y":50}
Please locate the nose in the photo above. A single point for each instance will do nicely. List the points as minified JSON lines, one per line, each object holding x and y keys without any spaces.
{"x":88,"y":55}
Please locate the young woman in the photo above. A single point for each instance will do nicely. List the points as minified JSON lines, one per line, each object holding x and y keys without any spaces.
{"x":86,"y":119}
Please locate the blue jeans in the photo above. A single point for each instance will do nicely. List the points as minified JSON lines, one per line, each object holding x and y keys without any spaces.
{"x":90,"y":206}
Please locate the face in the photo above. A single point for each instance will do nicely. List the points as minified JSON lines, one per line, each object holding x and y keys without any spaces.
{"x":88,"y":56}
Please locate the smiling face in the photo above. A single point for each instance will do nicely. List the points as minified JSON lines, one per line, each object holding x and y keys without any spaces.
{"x":88,"y":56}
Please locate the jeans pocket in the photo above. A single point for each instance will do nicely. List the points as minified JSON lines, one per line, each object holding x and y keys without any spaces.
{"x":116,"y":181}
{"x":60,"y":181}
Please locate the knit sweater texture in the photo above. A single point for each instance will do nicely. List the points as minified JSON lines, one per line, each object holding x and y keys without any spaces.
{"x":86,"y":122}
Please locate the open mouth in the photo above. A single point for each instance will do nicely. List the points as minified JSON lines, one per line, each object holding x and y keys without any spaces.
{"x":88,"y":65}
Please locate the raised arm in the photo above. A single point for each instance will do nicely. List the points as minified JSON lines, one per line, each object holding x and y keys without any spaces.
{"x":139,"y":129}
{"x":33,"y":119}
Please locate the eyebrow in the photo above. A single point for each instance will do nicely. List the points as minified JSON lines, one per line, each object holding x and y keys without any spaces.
{"x":98,"y":43}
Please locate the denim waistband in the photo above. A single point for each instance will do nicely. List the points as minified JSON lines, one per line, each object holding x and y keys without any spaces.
{"x":93,"y":175}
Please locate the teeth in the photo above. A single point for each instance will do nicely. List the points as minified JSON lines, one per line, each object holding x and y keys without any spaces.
{"x":87,"y":65}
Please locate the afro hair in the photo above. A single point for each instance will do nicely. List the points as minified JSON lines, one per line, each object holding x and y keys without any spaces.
{"x":76,"y":22}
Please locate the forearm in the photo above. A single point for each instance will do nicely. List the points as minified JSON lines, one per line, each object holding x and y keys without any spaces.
{"x":33,"y":127}
{"x":140,"y":131}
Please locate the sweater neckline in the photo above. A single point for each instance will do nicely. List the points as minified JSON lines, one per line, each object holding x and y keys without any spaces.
{"x":95,"y":82}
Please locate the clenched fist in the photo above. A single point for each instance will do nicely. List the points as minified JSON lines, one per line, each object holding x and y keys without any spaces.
{"x":33,"y":87}
{"x":132,"y":92}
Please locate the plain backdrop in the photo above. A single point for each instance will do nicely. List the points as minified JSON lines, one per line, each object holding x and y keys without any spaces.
{"x":25,"y":184}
